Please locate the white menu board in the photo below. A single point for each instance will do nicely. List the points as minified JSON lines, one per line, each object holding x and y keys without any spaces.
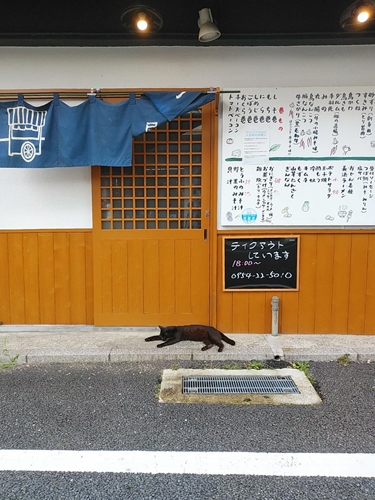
{"x":298,"y":157}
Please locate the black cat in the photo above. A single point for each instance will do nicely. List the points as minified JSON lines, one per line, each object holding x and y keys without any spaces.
{"x":201,"y":333}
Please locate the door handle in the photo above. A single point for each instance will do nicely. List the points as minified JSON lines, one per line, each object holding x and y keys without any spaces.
{"x":205,"y":234}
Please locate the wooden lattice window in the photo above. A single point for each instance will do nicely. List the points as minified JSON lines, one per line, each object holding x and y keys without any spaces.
{"x":163,"y":188}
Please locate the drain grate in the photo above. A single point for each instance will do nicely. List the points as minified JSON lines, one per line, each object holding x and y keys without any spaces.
{"x":239,"y":385}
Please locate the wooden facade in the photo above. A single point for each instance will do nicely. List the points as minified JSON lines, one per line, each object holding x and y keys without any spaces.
{"x":121,"y":274}
{"x":46,"y":277}
{"x":336,"y":288}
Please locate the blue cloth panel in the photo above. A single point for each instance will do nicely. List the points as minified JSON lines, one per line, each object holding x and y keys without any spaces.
{"x":93,"y":132}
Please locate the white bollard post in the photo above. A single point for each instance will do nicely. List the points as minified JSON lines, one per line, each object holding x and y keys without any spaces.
{"x":275,"y":315}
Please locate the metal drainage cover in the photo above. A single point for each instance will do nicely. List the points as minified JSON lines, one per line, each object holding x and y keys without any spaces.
{"x":239,"y":385}
{"x":248,"y":387}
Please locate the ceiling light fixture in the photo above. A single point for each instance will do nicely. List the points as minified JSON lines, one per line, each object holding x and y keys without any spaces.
{"x":358,"y":16}
{"x":141,"y":19}
{"x":142,"y":23}
{"x":208,"y":31}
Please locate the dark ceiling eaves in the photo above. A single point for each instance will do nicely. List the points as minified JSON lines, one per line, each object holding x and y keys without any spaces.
{"x":185,"y":40}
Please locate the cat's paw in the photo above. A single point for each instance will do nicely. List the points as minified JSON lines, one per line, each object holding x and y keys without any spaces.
{"x":204,"y":348}
{"x":154,"y":337}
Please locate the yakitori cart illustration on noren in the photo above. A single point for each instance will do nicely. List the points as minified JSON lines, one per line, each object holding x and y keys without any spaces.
{"x":25,"y":132}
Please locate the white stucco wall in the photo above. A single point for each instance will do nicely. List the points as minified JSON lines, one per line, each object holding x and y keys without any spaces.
{"x":37,"y":198}
{"x":61,"y":198}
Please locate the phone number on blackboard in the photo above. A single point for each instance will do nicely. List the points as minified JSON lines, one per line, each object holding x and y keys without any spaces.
{"x":272,"y":274}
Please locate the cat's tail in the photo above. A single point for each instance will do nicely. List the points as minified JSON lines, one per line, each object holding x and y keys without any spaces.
{"x":227,"y":339}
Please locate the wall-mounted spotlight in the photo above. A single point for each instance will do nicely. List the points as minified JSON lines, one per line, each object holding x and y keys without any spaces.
{"x":141,"y":19}
{"x":208,"y":30}
{"x":358,"y":16}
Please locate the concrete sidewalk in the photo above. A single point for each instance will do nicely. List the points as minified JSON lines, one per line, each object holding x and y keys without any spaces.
{"x":84,"y":344}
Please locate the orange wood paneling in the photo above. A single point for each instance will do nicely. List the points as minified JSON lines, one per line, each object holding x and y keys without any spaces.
{"x":105,"y":264}
{"x":241,"y":318}
{"x":135,"y":276}
{"x":16,"y":278}
{"x":4,"y":273}
{"x":89,"y":277}
{"x":31,"y":281}
{"x":289,"y":314}
{"x":144,"y":281}
{"x":78,"y":274}
{"x":358,"y":283}
{"x":151,"y":276}
{"x":307,"y":283}
{"x":224,"y":301}
{"x":62,"y":277}
{"x":370,"y":289}
{"x":324,"y":280}
{"x":336,"y":289}
{"x":120,"y":279}
{"x":341,"y":283}
{"x":199,"y":279}
{"x":166,"y":267}
{"x":46,"y":277}
{"x":257,"y":312}
{"x":183,"y":283}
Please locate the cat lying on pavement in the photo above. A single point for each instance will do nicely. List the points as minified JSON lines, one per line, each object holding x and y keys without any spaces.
{"x":207,"y":334}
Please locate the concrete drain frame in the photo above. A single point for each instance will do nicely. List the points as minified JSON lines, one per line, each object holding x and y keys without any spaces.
{"x":171,"y":390}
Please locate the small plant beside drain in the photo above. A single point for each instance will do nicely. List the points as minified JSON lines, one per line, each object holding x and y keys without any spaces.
{"x":255,"y":365}
{"x":344,"y":360}
{"x":252,"y":365}
{"x":6,"y":360}
{"x":304,"y":367}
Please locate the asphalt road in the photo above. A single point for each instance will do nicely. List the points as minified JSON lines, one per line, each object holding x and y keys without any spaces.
{"x":115,"y":407}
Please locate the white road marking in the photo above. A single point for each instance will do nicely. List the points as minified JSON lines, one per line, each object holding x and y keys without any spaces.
{"x":180,"y":462}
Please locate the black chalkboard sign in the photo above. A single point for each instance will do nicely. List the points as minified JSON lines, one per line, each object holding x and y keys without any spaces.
{"x":259,"y":263}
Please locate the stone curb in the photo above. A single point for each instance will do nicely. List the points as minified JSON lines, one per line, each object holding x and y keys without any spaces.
{"x":116,"y":345}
